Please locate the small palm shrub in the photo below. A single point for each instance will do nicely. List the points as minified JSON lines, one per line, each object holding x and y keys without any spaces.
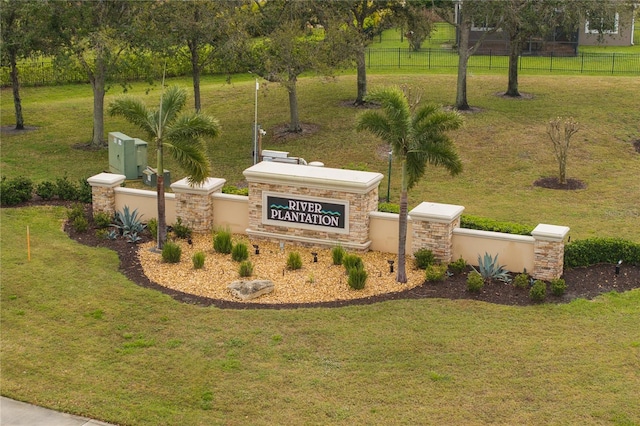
{"x":459,"y":266}
{"x":475,"y":282}
{"x":294,"y":261}
{"x":222,"y":241}
{"x":181,"y":230}
{"x":198,"y":260}
{"x":436,"y":272}
{"x":558,"y":286}
{"x":102,"y":220}
{"x":489,"y":269}
{"x":423,"y":258}
{"x":357,"y":278}
{"x":171,"y":252}
{"x":246,"y":268}
{"x":352,"y":261}
{"x":240,"y":252}
{"x":337,"y":253}
{"x":521,"y":281}
{"x":46,"y":190}
{"x":538,"y":291}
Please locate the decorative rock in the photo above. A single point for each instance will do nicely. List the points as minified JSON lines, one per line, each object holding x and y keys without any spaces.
{"x":247,"y":290}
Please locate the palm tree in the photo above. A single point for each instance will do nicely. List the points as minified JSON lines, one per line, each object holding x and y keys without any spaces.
{"x":180,"y":134}
{"x":417,"y":137}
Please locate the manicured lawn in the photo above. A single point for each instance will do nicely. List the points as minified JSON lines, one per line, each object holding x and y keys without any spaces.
{"x":77,"y":336}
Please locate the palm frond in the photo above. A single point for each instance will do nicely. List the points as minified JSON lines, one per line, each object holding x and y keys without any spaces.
{"x":173,"y":100}
{"x":190,"y":155}
{"x":134,"y":111}
{"x":193,"y":125}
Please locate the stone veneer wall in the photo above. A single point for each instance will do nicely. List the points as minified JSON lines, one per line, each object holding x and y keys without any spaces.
{"x":549,"y":251}
{"x":435,"y":236}
{"x":103,"y":196}
{"x":194,"y":203}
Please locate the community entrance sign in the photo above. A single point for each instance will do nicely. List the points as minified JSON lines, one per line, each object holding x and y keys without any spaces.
{"x":304,"y":212}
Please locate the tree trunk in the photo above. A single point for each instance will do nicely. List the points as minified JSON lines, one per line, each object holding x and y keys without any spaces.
{"x":97,"y":84}
{"x":463,"y":60}
{"x":15,"y":84}
{"x":162,"y":220}
{"x":514,"y":54}
{"x":361,"y":76}
{"x":195,"y":69}
{"x":294,"y":126}
{"x":402,"y":227}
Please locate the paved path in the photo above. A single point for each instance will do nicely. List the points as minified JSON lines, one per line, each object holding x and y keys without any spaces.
{"x":16,"y":413}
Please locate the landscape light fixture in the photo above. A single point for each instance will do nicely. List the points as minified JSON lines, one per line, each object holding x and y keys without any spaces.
{"x":390,"y":262}
{"x":315,"y":257}
{"x":281,"y":245}
{"x":255,"y":246}
{"x":618,"y":267}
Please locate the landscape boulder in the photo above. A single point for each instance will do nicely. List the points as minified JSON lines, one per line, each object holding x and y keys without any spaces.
{"x":247,"y":290}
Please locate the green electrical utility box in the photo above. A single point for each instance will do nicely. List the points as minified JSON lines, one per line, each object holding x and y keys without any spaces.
{"x":150,"y":177}
{"x":127,"y":155}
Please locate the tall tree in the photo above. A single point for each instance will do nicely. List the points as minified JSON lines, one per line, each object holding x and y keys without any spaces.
{"x":20,"y":37}
{"x":417,"y":136}
{"x":417,"y":18}
{"x":95,"y":33}
{"x":179,"y":133}
{"x":463,"y":15}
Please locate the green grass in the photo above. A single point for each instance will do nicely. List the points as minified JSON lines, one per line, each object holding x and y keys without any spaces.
{"x":79,"y":337}
{"x":504,"y":147}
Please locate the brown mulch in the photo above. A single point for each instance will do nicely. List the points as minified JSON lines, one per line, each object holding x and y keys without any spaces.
{"x":554,"y":183}
{"x":584,"y":283}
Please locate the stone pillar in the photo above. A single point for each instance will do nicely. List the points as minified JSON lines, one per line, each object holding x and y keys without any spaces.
{"x":103,"y":196}
{"x":194,"y":203}
{"x":433,"y":226}
{"x":548,"y":251}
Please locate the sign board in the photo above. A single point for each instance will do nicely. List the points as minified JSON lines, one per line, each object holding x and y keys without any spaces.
{"x":294,"y":211}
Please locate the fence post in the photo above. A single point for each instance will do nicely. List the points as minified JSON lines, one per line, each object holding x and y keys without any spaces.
{"x":581,"y":62}
{"x":613,"y":62}
{"x":490,"y":58}
{"x":429,"y":61}
{"x":398,"y":57}
{"x":551,"y":62}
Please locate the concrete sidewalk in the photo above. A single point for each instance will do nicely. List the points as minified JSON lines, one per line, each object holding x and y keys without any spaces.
{"x":16,"y":413}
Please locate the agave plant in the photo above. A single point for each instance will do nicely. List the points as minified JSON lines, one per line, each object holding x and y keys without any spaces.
{"x":489,"y":269}
{"x":129,"y":222}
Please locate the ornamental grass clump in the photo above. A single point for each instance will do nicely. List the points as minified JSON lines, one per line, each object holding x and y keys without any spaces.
{"x":294,"y":261}
{"x":352,"y":261}
{"x":357,"y":278}
{"x":222,"y":241}
{"x":337,"y":253}
{"x":239,"y":252}
{"x":246,"y":268}
{"x":198,"y":260}
{"x":171,"y":252}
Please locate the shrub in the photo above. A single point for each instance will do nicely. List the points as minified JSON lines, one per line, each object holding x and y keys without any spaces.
{"x":357,"y":278}
{"x":475,"y":282}
{"x":435,"y":272}
{"x":102,"y":233}
{"x":80,"y":224}
{"x":538,"y":291}
{"x":222,"y":241}
{"x":198,"y":260}
{"x":231,"y":189}
{"x":294,"y":261}
{"x":240,"y":252}
{"x":521,"y":281}
{"x":389,"y":208}
{"x":246,"y":268}
{"x":152,"y":226}
{"x":46,"y":190}
{"x":65,"y":189}
{"x":181,"y":230}
{"x":77,"y":210}
{"x":84,"y":193}
{"x":601,"y":250}
{"x":423,"y":258}
{"x":558,"y":286}
{"x":483,"y":224}
{"x":15,"y":191}
{"x":352,"y":261}
{"x":337,"y":253}
{"x":489,"y":268}
{"x":102,"y":219}
{"x":458,"y":266}
{"x":171,"y":252}
{"x":128,"y":221}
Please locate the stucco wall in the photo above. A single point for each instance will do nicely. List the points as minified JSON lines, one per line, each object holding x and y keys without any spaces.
{"x":146,"y":203}
{"x":383,"y":232}
{"x":231,"y":211}
{"x":514,"y":251}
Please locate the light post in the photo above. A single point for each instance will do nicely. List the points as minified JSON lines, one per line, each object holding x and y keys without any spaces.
{"x":389,"y":176}
{"x":255,"y":126}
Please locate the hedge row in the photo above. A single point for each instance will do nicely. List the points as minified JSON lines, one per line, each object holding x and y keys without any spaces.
{"x":601,"y":250}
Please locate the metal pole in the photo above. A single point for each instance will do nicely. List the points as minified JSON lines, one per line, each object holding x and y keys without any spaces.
{"x":389,"y":174}
{"x":255,"y":127}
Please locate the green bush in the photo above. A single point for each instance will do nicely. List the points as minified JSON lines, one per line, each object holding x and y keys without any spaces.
{"x":246,"y":268}
{"x":84,"y":194}
{"x":65,"y":189}
{"x":352,"y":261}
{"x":558,"y":286}
{"x":483,"y":224}
{"x":521,"y":281}
{"x":15,"y":191}
{"x":435,"y":272}
{"x":423,"y":258}
{"x":222,"y":241}
{"x":80,"y":224}
{"x":171,"y":252}
{"x":389,"y":208}
{"x":337,"y":253}
{"x":152,"y":226}
{"x":240,"y":252}
{"x":601,"y":250}
{"x":231,"y":189}
{"x":102,"y":219}
{"x":538,"y":291}
{"x":77,"y":210}
{"x":46,"y":190}
{"x":459,"y":266}
{"x":198,"y":260}
{"x":357,"y":278}
{"x":181,"y":230}
{"x":294,"y":261}
{"x":475,"y":282}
